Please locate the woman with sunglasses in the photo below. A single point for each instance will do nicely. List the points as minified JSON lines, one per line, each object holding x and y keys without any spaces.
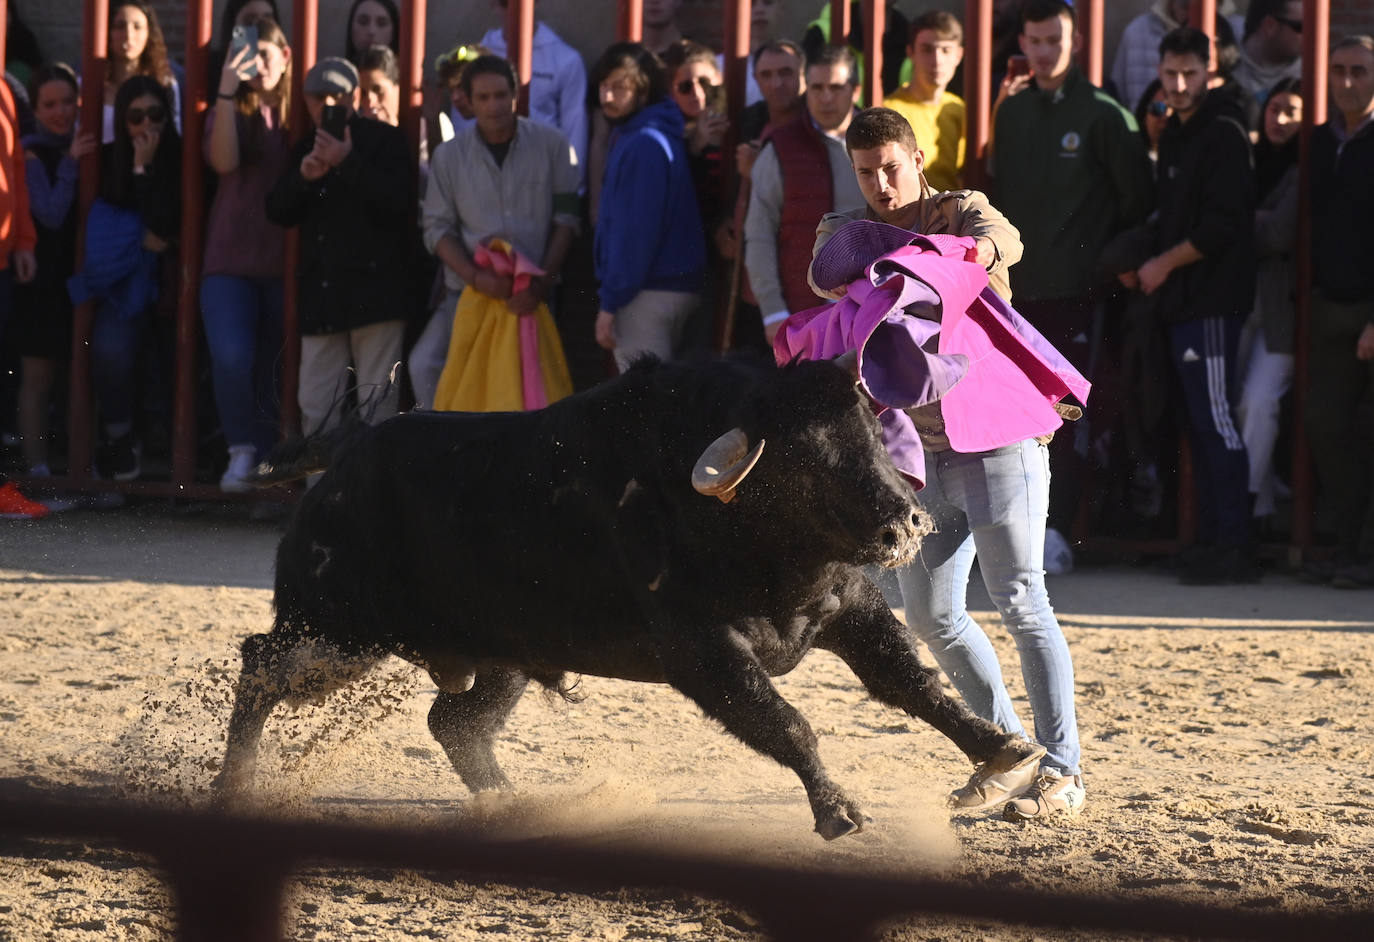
{"x":247,"y":145}
{"x":140,"y":179}
{"x":1151,"y":115}
{"x":695,"y":84}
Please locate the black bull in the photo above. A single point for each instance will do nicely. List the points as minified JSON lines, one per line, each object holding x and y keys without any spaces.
{"x":608,"y":535}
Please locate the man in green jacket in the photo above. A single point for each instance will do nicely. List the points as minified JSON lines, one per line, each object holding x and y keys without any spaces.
{"x":1071,"y":172}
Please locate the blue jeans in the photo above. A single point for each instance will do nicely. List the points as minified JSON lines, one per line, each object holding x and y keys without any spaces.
{"x":243,"y":326}
{"x":992,"y":505}
{"x":115,"y":345}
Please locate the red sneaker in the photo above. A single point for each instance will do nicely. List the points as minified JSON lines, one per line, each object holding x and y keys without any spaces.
{"x":15,"y":506}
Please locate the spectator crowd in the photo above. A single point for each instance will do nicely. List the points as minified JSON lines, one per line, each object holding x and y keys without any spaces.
{"x":512,"y":258}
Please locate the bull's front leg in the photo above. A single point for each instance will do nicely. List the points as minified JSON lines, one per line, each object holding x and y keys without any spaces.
{"x":882,"y":653}
{"x":733,"y":689}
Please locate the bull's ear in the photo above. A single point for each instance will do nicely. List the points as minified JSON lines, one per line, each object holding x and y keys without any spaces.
{"x":724,"y":463}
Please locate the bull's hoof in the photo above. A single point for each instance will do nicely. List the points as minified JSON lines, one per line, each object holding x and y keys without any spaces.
{"x":1015,"y":753}
{"x":841,"y":823}
{"x":229,"y":786}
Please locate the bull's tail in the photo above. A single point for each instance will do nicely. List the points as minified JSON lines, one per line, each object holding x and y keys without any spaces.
{"x":303,"y":455}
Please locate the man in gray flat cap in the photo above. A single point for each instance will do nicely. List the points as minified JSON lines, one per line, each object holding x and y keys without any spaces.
{"x":350,"y":185}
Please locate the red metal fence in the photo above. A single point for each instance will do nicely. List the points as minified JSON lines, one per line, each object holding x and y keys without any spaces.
{"x":978,"y":70}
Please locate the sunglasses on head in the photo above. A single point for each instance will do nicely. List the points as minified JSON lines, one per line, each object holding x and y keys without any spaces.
{"x":1158,"y":108}
{"x":685,"y":87}
{"x":154,"y":113}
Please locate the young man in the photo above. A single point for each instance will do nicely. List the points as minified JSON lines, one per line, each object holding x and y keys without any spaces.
{"x":935,"y":114}
{"x":1071,"y":172}
{"x":353,"y":197}
{"x":558,"y":84}
{"x":1204,"y":273}
{"x":504,"y":176}
{"x":1136,"y":63}
{"x":1270,"y":46}
{"x":1341,"y":368}
{"x":990,"y":506}
{"x":660,"y":25}
{"x":801,"y":174}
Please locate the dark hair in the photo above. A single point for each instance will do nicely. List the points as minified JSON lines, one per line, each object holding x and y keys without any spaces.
{"x":352,"y":53}
{"x":1272,"y":161}
{"x":1038,"y":11}
{"x":1353,"y":41}
{"x":874,"y":127}
{"x":784,"y":47}
{"x":1228,"y":50}
{"x":943,"y":24}
{"x":57,"y":72}
{"x":832,"y":56}
{"x":1258,"y":10}
{"x":489,"y":65}
{"x":1186,"y":41}
{"x":450,"y":65}
{"x":21,"y":45}
{"x":231,"y":13}
{"x":1142,"y":106}
{"x":384,"y":60}
{"x":650,"y":78}
{"x":684,"y":51}
{"x":153,"y":61}
{"x":119,"y":183}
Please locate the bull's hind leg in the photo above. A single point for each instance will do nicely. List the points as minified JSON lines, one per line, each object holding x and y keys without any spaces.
{"x":733,"y":689}
{"x":466,"y":725}
{"x":882,"y":652}
{"x":278,"y":667}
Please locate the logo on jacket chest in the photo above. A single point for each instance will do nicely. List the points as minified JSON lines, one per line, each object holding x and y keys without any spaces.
{"x":1069,"y":144}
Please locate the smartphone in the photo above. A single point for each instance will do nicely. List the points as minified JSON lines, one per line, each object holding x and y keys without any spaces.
{"x":715,"y":99}
{"x":333,"y":120}
{"x":1018,"y":66}
{"x":241,"y":37}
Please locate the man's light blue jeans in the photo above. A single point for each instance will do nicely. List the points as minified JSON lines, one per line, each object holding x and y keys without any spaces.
{"x":992,"y":506}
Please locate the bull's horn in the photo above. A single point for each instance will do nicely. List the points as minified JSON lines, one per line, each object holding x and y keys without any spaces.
{"x":849,"y":362}
{"x":724,"y":463}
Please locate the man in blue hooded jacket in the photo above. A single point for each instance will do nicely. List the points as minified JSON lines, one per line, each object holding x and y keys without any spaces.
{"x":650,"y":247}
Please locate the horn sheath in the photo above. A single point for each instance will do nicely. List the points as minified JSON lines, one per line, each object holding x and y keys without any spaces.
{"x":724,"y":463}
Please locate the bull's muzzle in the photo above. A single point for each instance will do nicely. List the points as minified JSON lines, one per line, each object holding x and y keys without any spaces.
{"x":900,"y":540}
{"x":724,"y":464}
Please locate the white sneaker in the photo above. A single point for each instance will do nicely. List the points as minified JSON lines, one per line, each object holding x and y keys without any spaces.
{"x":985,"y":790}
{"x":1058,"y":555}
{"x":1051,"y":794}
{"x":242,"y":461}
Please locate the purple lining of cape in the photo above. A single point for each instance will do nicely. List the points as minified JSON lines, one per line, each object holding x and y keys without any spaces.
{"x":927,"y":327}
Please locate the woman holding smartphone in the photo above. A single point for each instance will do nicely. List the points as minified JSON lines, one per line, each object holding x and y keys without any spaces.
{"x":241,"y":284}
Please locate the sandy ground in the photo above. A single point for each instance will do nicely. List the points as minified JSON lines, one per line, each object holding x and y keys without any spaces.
{"x":1226,"y":736}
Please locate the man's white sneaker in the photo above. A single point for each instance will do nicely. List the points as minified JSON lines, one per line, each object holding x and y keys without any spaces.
{"x":1058,"y":553}
{"x":242,"y":460}
{"x":987,"y":789}
{"x":1050,"y":794}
